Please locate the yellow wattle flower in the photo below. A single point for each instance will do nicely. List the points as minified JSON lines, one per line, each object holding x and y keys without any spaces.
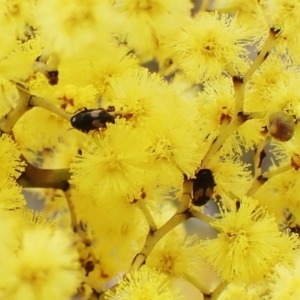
{"x":208,"y":44}
{"x":148,"y":23}
{"x":11,"y":197}
{"x":112,"y":163}
{"x":248,"y":245}
{"x":45,"y":266}
{"x":71,"y":27}
{"x":147,"y":284}
{"x":177,"y":254}
{"x":284,"y":282}
{"x":11,"y":164}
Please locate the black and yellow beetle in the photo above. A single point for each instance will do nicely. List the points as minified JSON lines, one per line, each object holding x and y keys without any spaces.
{"x":92,"y":119}
{"x":203,"y":187}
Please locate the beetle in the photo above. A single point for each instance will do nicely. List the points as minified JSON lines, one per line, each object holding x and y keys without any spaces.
{"x":203,"y":187}
{"x":92,"y":119}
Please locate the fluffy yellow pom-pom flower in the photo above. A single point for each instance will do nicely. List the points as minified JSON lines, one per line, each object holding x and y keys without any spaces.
{"x":148,"y":23}
{"x":112,"y":164}
{"x":140,"y":95}
{"x":208,"y":45}
{"x":285,"y":281}
{"x":11,"y":164}
{"x":71,"y":27}
{"x":248,"y":245}
{"x":177,"y":254}
{"x":10,"y":195}
{"x":146,"y":284}
{"x":45,"y":267}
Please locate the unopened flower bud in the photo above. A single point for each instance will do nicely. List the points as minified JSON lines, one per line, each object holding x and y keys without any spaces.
{"x":281,"y":126}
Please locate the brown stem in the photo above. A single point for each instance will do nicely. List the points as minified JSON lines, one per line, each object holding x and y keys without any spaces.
{"x":259,"y":156}
{"x":204,"y":5}
{"x":239,"y":91}
{"x":33,"y":177}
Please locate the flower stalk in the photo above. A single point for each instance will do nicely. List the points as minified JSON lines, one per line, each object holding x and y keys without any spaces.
{"x":154,"y":237}
{"x":40,"y":102}
{"x":23,"y":105}
{"x":219,"y":290}
{"x":263,"y":54}
{"x":260,"y":180}
{"x":147,"y":214}
{"x":217,"y":144}
{"x":33,"y":177}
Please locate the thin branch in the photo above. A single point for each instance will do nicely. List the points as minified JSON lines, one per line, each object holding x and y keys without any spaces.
{"x":278,"y":171}
{"x":259,"y":156}
{"x":82,"y":234}
{"x":263,"y":54}
{"x":8,"y":121}
{"x":196,"y":283}
{"x":199,"y":215}
{"x":154,"y":237}
{"x":230,"y":69}
{"x":33,"y":177}
{"x":260,"y":180}
{"x":186,"y":196}
{"x":147,"y":214}
{"x":73,"y":217}
{"x":183,"y":213}
{"x":239,"y":91}
{"x":257,"y":183}
{"x":224,"y":124}
{"x":24,"y":182}
{"x":256,"y":115}
{"x":231,"y":195}
{"x":204,"y":5}
{"x":40,"y":102}
{"x":220,"y":140}
{"x":218,"y":291}
{"x":239,"y":88}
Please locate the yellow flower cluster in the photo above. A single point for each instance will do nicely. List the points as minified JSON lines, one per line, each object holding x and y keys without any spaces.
{"x":11,"y":167}
{"x":249,"y":243}
{"x":283,"y":14}
{"x":36,"y":261}
{"x":148,"y":24}
{"x":203,"y":54}
{"x":71,"y":27}
{"x":145,"y":284}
